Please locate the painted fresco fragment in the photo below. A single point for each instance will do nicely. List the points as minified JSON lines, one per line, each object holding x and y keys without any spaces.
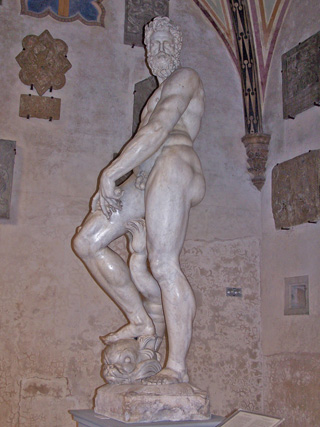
{"x":89,"y":12}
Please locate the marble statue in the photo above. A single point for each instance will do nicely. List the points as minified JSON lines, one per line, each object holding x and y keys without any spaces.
{"x":152,"y":207}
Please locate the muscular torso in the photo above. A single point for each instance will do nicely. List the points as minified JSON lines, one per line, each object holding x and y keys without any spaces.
{"x":185,"y":130}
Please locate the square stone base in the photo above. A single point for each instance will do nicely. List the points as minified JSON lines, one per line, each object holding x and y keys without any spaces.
{"x":133,"y":403}
{"x":88,"y":418}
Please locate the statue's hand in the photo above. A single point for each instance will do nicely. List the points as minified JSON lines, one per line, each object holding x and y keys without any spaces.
{"x":108,"y":196}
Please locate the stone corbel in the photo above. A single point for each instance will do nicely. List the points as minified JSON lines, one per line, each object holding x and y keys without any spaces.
{"x":257,"y":148}
{"x":255,"y":141}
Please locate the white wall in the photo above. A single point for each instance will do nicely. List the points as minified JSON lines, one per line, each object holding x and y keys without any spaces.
{"x":290,"y":344}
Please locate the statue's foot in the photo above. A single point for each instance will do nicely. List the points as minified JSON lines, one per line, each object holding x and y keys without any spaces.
{"x":166,"y":376}
{"x":128,"y":332}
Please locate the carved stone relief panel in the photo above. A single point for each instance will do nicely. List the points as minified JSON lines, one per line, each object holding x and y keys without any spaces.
{"x":142,"y":92}
{"x":301,"y":77}
{"x":41,"y":107}
{"x":43,"y":62}
{"x":139,"y":13}
{"x":7,"y":153}
{"x":295,"y":190}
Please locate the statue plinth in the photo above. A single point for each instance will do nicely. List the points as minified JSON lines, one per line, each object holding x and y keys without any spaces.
{"x":133,"y":403}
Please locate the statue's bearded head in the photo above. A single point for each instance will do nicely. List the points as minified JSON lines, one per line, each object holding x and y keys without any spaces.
{"x":163,"y":40}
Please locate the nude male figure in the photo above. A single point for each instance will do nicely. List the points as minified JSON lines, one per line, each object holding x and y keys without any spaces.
{"x":166,"y":183}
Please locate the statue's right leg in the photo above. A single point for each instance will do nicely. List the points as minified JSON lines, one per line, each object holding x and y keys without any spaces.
{"x":108,"y":269}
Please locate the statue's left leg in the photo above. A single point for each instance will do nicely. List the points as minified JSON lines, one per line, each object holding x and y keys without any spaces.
{"x":175,"y":184}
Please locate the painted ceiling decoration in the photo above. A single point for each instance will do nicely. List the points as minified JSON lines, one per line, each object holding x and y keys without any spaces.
{"x":218,"y":13}
{"x":266,"y":19}
{"x":249,"y":29}
{"x":248,"y":67}
{"x":89,"y":12}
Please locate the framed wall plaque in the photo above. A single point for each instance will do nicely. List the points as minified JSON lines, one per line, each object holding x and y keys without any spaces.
{"x":296,"y":298}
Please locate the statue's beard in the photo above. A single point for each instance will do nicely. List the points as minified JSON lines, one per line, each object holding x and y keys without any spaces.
{"x":163,"y":64}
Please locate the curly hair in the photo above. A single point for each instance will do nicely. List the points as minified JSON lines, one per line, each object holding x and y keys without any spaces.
{"x":163,"y":23}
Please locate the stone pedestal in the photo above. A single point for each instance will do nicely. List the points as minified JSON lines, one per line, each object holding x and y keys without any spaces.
{"x":87,"y":418}
{"x":134,"y":403}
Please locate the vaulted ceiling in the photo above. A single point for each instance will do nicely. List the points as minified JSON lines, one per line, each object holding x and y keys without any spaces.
{"x":266,"y":18}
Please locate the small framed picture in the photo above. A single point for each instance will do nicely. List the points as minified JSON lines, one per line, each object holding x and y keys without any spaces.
{"x":243,"y":418}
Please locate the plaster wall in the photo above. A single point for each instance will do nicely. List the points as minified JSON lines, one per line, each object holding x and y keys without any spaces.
{"x":290,"y":344}
{"x":52,"y":312}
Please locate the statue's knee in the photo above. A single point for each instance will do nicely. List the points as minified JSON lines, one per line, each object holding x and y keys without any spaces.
{"x":159,"y":268}
{"x":80,"y":244}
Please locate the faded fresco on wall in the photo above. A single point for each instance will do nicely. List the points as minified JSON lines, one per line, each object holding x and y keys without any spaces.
{"x":89,"y":12}
{"x":293,"y":379}
{"x":225,"y":352}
